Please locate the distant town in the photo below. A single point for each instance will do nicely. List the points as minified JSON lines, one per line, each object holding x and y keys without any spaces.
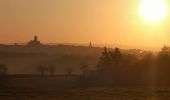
{"x":23,"y":59}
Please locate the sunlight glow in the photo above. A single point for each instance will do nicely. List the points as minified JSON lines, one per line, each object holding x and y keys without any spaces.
{"x":153,"y":10}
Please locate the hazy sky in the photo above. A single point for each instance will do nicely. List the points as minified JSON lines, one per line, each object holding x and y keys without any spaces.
{"x":79,"y":21}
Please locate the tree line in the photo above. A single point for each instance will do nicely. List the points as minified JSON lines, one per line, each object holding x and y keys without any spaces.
{"x":117,"y":67}
{"x":123,"y":68}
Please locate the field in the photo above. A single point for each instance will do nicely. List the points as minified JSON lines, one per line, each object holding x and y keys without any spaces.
{"x":65,"y":88}
{"x":85,"y":94}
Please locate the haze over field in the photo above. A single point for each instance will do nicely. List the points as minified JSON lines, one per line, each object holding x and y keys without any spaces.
{"x":84,"y":49}
{"x":123,"y":22}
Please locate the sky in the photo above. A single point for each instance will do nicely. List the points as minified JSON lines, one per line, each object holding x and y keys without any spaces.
{"x":80,"y":21}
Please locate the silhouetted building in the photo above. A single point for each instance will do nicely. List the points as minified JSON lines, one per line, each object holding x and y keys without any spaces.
{"x":34,"y":42}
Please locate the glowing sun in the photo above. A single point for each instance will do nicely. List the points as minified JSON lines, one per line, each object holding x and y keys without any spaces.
{"x":153,"y":10}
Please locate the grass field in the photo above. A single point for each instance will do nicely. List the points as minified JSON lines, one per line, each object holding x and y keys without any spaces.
{"x":119,"y":93}
{"x":65,"y":88}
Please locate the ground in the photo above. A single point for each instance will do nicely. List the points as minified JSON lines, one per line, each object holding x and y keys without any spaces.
{"x":119,"y":93}
{"x":66,"y":88}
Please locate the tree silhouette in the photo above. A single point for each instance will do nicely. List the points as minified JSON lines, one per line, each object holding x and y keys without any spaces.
{"x":3,"y":69}
{"x":164,"y":57}
{"x":52,"y":69}
{"x":163,"y":63}
{"x":41,"y":69}
{"x":3,"y":72}
{"x":69,"y":71}
{"x":104,"y":61}
{"x":109,"y":61}
{"x":84,"y":68}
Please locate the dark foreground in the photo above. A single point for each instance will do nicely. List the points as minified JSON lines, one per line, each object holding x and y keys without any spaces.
{"x":85,"y":94}
{"x":66,"y":88}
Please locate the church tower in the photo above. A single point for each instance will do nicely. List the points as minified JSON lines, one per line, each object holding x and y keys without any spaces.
{"x":35,"y":38}
{"x":34,"y":42}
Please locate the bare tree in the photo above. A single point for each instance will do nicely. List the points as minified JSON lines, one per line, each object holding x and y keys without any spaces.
{"x":84,"y":68}
{"x":51,"y":69}
{"x":69,"y":71}
{"x":41,"y":69}
{"x":3,"y":69}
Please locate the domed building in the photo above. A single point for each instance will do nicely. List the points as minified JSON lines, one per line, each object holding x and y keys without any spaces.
{"x":34,"y":42}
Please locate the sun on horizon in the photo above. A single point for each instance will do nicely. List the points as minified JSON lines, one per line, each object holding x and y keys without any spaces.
{"x":153,"y":11}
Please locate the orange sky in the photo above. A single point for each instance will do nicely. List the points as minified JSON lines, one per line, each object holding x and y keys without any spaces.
{"x":79,"y":21}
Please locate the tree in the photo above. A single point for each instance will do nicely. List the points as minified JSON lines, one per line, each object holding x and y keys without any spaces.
{"x":3,"y":69}
{"x":69,"y":71}
{"x":52,"y":69}
{"x":116,"y":58}
{"x":41,"y":69}
{"x":104,"y":61}
{"x":163,"y":63}
{"x":109,"y":61}
{"x":3,"y":72}
{"x":117,"y":67}
{"x":84,"y":68}
{"x":164,"y":57}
